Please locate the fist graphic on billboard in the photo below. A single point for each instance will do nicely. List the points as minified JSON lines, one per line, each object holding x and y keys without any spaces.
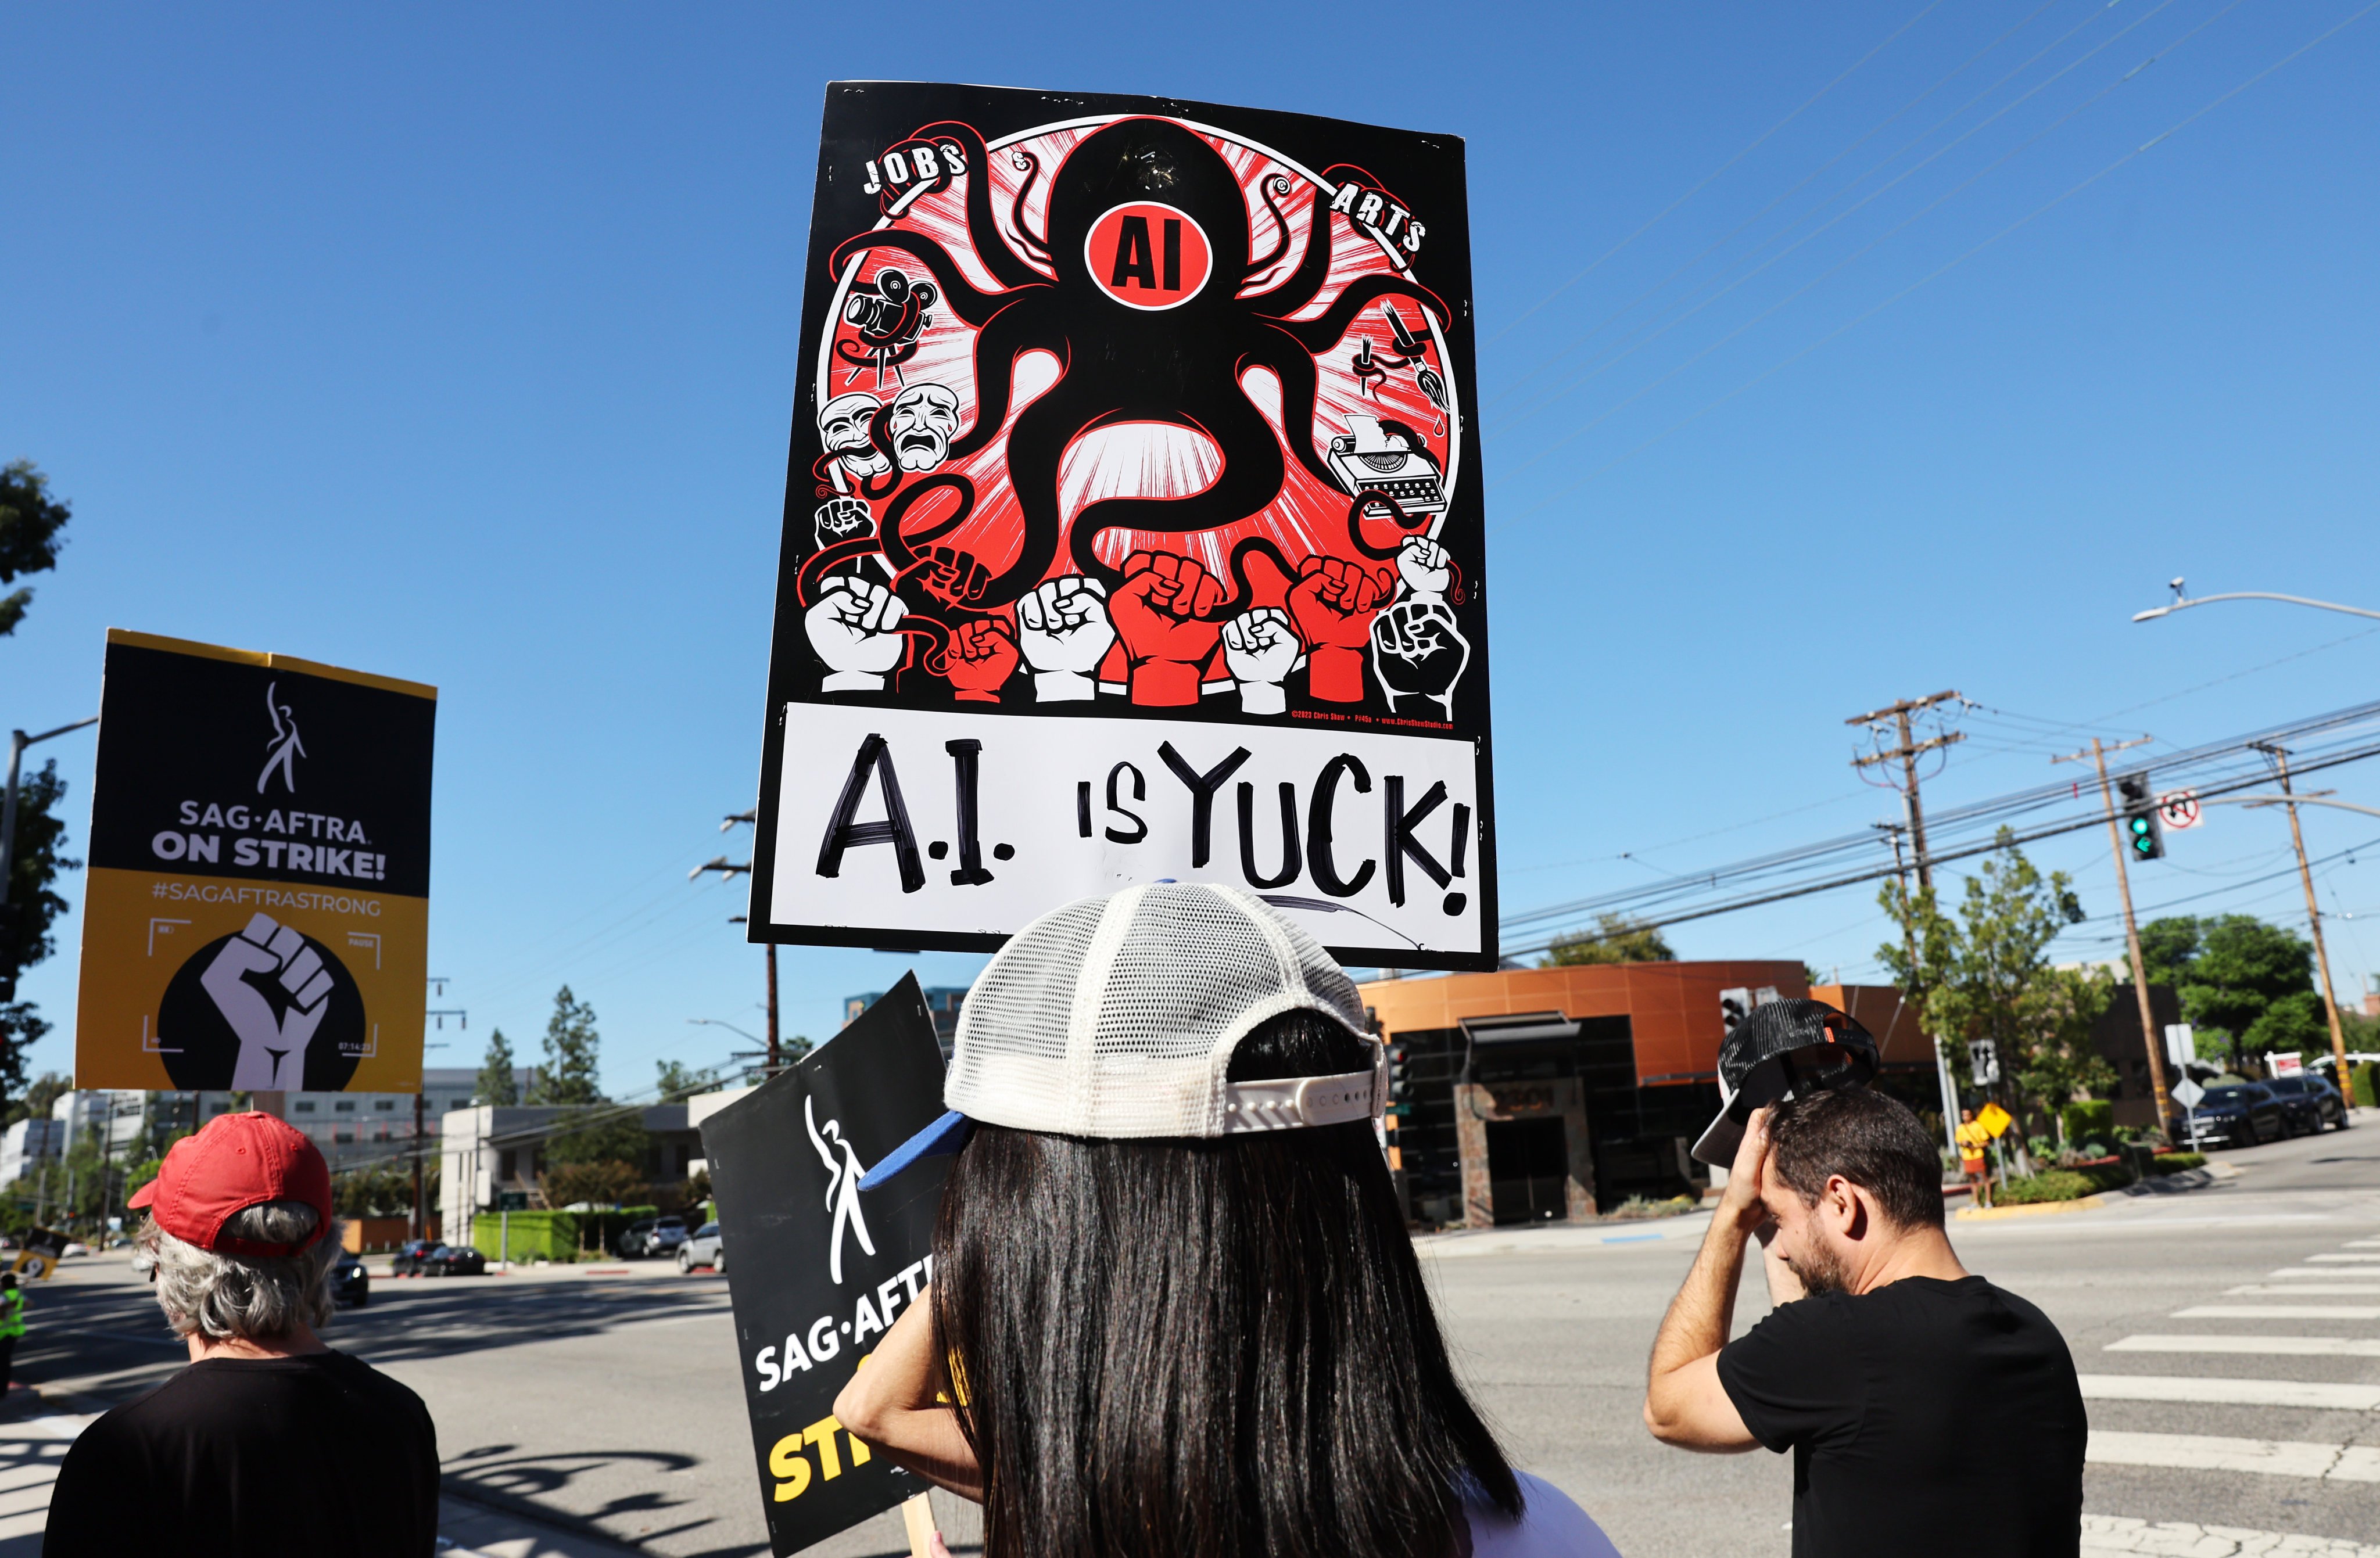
{"x":268,"y":1010}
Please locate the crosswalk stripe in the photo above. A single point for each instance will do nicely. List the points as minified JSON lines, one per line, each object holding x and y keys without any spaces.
{"x":2335,"y":1273}
{"x":2338,"y":1258}
{"x":2276,"y":1346}
{"x":2230,"y":1392}
{"x":2292,"y":1289}
{"x":2271,"y":1457}
{"x":2280,"y":1312}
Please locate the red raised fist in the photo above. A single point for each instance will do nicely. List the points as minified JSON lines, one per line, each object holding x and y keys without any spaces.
{"x":1332,"y":604}
{"x":981,"y":656}
{"x":952,"y":576}
{"x":1160,"y":612}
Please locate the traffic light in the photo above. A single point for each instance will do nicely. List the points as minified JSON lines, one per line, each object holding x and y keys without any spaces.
{"x":1399,"y":1085}
{"x":2144,"y":835}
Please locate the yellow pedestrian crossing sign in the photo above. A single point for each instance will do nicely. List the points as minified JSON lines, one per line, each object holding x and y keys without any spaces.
{"x":1994,"y":1118}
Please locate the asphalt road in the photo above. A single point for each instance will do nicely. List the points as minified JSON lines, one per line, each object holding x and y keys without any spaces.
{"x":612,"y":1401}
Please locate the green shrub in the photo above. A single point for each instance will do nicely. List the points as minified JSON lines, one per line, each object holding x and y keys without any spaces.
{"x":526,"y":1236}
{"x":1636,"y":1207}
{"x":2365,"y":1080}
{"x":2177,"y":1162}
{"x":2093,"y":1118}
{"x":2055,"y":1184}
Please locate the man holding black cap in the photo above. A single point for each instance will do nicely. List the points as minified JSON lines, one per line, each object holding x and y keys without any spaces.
{"x":1926,"y":1410}
{"x":269,"y":1442}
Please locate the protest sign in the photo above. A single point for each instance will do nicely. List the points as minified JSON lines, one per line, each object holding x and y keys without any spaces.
{"x":820,"y":1271}
{"x":1132,"y":527}
{"x":256,"y":912}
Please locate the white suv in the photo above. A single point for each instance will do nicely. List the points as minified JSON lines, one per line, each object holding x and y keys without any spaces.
{"x":703,"y":1249}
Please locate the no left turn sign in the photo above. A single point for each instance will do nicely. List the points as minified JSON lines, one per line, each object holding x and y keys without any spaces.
{"x":2179,"y":809}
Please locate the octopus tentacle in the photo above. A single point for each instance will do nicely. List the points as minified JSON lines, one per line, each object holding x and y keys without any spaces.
{"x":1245,"y":596}
{"x":1322,"y":333}
{"x":1276,"y":183}
{"x":1249,"y":480}
{"x":973,"y":305}
{"x":1294,"y":366}
{"x":989,"y":246}
{"x":1313,"y":267}
{"x":1006,"y":334}
{"x":1030,"y":166}
{"x":900,"y":545}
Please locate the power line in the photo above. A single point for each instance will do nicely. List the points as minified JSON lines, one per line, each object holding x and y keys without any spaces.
{"x":1757,"y":141}
{"x":1940,"y":270}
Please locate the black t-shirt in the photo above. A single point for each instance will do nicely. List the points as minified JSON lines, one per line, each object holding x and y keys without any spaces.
{"x":254,"y":1456}
{"x":1924,"y":1416}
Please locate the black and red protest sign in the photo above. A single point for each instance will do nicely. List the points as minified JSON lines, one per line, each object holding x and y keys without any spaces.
{"x":1132,"y":527}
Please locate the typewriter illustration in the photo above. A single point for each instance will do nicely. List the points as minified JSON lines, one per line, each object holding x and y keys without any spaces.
{"x":1387,"y":459}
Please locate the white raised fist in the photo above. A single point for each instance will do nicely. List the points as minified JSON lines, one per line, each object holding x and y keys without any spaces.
{"x":1063,"y":632}
{"x":1425,"y":568}
{"x":1261,"y":647}
{"x":271,"y":1049}
{"x":855,"y":627}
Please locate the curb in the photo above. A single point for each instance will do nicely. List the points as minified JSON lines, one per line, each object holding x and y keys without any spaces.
{"x":2032,"y":1209}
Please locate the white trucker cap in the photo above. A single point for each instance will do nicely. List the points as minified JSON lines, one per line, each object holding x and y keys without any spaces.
{"x":1116,"y":1017}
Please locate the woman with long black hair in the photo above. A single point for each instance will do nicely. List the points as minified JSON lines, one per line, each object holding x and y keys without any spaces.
{"x":1176,"y":1312}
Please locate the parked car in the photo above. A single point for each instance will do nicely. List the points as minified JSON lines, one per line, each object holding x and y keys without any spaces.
{"x":2313,"y":1102}
{"x":74,"y":1248}
{"x":650,"y":1236}
{"x":2236,"y":1114}
{"x":703,"y":1248}
{"x":409,"y":1256}
{"x":351,"y":1283}
{"x":454,"y":1259}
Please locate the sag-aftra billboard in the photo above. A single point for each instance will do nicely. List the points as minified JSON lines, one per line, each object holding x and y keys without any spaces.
{"x":257,"y":911}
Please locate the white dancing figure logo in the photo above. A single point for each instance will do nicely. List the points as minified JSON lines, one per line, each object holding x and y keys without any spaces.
{"x":842,"y":1187}
{"x":285,"y":748}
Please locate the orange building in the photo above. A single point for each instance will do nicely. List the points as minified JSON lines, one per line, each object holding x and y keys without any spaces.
{"x":1558,"y":1092}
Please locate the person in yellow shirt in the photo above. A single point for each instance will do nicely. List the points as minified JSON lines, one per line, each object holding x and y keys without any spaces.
{"x":1973,"y":1140}
{"x":12,"y":1325}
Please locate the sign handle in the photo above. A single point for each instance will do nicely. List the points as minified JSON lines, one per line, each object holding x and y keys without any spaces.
{"x":917,"y":1518}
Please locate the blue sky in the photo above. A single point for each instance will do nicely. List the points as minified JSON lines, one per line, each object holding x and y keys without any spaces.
{"x":458,"y":344}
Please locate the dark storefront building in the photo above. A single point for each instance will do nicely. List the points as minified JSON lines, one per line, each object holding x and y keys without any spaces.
{"x":1532,"y":1094}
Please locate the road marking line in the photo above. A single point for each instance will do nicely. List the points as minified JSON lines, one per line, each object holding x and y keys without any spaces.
{"x":2331,"y":1271}
{"x":2196,"y":1452}
{"x":2343,"y":1257}
{"x":2230,"y":1392}
{"x":2280,"y":1312}
{"x":2279,"y":1347}
{"x":2109,"y":1536}
{"x":2293,"y":1290}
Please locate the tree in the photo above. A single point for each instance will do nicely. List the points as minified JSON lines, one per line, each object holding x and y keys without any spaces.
{"x":499,"y":1083}
{"x":1615,"y":939}
{"x":608,"y":1183}
{"x":40,"y":828}
{"x":599,"y":1135}
{"x":40,"y":1097}
{"x":31,"y":521}
{"x":679,"y":1080}
{"x":573,"y":1054}
{"x":2249,"y":984}
{"x":1986,"y":975}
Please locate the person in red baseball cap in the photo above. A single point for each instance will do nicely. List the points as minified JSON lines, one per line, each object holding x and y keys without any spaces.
{"x":269,"y":1442}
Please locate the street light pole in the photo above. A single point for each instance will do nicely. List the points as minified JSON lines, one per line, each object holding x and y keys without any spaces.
{"x":2313,"y":923}
{"x":18,"y":741}
{"x":2181,"y":602}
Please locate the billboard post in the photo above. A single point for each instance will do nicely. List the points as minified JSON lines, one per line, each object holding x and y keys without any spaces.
{"x":257,"y":910}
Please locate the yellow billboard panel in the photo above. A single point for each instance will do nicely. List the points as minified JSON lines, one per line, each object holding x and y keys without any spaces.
{"x":257,"y":910}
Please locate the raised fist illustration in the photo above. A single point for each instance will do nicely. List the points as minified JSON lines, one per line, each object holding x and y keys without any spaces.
{"x":981,"y":656}
{"x":1419,"y":657}
{"x":1160,"y":611}
{"x":950,"y":575}
{"x":855,"y":629}
{"x":1332,"y":604}
{"x":271,"y":1045}
{"x":1063,"y":632}
{"x":1260,"y":648}
{"x":842,"y":519}
{"x":1425,"y":568}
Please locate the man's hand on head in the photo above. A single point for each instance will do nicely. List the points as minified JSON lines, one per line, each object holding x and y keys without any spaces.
{"x":1739,"y":1205}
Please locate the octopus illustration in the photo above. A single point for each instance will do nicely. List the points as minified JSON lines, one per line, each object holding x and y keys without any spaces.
{"x":1174,"y":352}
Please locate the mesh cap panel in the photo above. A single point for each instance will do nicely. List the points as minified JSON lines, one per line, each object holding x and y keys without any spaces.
{"x":1117,"y":1015}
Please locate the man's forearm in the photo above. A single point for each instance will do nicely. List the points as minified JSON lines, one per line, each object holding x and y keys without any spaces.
{"x":1704,"y":1310}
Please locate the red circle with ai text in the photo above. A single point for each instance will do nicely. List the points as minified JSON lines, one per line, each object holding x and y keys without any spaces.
{"x":1148,"y":256}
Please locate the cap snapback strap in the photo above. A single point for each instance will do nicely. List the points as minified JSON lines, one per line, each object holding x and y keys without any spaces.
{"x":1292,"y":1102}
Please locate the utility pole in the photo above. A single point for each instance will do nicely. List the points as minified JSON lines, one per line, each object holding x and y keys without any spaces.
{"x":18,"y":741}
{"x":775,"y":1060}
{"x":2151,"y":1040}
{"x":1906,"y":754}
{"x":2281,"y":757}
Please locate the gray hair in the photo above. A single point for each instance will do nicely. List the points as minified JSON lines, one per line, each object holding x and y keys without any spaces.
{"x":224,"y":1297}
